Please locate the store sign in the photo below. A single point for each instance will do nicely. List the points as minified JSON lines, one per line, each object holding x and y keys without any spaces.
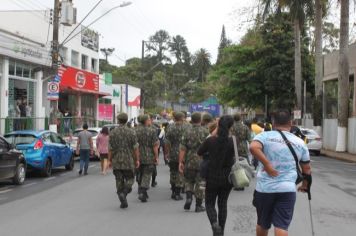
{"x":213,"y":109}
{"x":21,"y":49}
{"x":80,"y":80}
{"x":133,"y":96}
{"x":108,"y":78}
{"x":90,"y":39}
{"x":53,"y":90}
{"x":105,"y":112}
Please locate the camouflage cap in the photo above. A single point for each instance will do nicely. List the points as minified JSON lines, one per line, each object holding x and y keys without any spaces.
{"x":178,"y":116}
{"x":143,"y":118}
{"x":207,"y":117}
{"x":196,"y":117}
{"x":122,"y":117}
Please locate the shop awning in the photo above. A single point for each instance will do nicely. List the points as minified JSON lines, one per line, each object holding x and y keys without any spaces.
{"x":75,"y":90}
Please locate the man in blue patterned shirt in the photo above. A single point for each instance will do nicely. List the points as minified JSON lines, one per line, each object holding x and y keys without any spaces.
{"x":275,"y":193}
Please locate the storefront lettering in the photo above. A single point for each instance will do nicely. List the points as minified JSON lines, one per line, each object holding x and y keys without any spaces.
{"x":27,"y":51}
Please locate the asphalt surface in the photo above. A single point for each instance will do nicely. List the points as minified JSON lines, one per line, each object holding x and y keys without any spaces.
{"x":66,"y":204}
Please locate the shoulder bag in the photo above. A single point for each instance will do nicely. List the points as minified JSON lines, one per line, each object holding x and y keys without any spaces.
{"x":299,"y":172}
{"x":238,"y":176}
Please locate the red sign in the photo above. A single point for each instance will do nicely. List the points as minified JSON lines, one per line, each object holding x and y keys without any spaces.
{"x":80,"y":80}
{"x":135,"y":102}
{"x":105,"y":112}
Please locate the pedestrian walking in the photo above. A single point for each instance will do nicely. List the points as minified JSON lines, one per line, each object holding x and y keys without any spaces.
{"x":221,"y":159}
{"x":173,"y":140}
{"x":148,"y":146}
{"x":123,"y":157}
{"x":279,"y":153}
{"x":84,"y":149}
{"x":243,"y":135}
{"x":189,"y":162}
{"x":102,"y":147}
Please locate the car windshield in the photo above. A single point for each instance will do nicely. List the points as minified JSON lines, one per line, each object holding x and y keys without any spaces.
{"x":309,"y":132}
{"x":93,"y":132}
{"x":18,"y":139}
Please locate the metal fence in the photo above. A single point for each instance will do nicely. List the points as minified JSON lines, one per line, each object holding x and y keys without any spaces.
{"x":65,"y":125}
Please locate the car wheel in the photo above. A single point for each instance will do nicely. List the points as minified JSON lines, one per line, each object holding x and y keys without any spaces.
{"x":317,"y":153}
{"x":20,"y":175}
{"x":70,"y":165}
{"x":47,"y":172}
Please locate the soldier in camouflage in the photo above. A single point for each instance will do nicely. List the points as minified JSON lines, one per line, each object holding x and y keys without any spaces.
{"x":123,"y":157}
{"x":242,"y":132}
{"x":206,"y":119}
{"x":148,"y":146}
{"x":189,"y":162}
{"x":243,"y":135}
{"x":173,"y":139}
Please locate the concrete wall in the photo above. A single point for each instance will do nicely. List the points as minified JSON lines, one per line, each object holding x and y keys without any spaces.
{"x":351,"y":146}
{"x":329,"y":134}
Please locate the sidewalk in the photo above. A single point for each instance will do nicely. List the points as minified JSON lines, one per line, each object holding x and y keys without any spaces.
{"x":342,"y":156}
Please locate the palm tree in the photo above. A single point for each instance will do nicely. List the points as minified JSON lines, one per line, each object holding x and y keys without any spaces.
{"x":202,"y":64}
{"x":343,"y":91}
{"x":299,"y":10}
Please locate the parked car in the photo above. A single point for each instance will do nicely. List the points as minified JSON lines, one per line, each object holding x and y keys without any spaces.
{"x":43,"y":150}
{"x":12,"y":163}
{"x":313,"y":140}
{"x":95,"y":131}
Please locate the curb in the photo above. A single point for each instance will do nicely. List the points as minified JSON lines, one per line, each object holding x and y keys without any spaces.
{"x":341,"y":156}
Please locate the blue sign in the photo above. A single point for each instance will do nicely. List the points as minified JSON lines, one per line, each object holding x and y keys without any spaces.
{"x":213,"y":109}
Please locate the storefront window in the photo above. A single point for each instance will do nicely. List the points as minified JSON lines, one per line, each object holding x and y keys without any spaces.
{"x":20,"y":70}
{"x":88,"y":105}
{"x":11,"y":68}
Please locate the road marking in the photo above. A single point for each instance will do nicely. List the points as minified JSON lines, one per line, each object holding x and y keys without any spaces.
{"x":28,"y":185}
{"x":50,"y":178}
{"x":6,"y":190}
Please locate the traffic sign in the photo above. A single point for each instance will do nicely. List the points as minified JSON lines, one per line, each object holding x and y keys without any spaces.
{"x":297,"y":114}
{"x":53,"y":90}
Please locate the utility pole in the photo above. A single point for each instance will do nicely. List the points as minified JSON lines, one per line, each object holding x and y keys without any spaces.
{"x":55,"y":54}
{"x":142,"y":75}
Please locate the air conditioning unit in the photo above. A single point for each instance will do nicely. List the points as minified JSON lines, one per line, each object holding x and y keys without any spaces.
{"x":68,"y":13}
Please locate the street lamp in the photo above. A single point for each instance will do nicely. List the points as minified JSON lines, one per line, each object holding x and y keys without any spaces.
{"x":124,"y":4}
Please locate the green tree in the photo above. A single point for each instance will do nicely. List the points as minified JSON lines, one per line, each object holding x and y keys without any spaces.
{"x":201,"y":64}
{"x":224,"y":42}
{"x":178,"y":47}
{"x":159,"y":44}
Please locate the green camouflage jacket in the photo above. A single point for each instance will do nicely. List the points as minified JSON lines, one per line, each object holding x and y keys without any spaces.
{"x":174,"y":136}
{"x":147,"y":138}
{"x":122,"y":143}
{"x":243,"y":135}
{"x":191,"y":141}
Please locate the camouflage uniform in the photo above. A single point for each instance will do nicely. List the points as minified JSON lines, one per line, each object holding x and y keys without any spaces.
{"x":191,"y":141}
{"x":243,"y":134}
{"x":123,"y":142}
{"x":173,"y":139}
{"x":147,"y":139}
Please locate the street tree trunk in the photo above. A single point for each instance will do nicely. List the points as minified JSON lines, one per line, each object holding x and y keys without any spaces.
{"x":343,"y":79}
{"x":297,"y":65}
{"x":318,"y":106}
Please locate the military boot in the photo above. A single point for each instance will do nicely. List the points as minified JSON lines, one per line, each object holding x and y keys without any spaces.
{"x":217,"y":231}
{"x":143,"y":195}
{"x":177,"y":195}
{"x":173,"y":188}
{"x":154,"y":182}
{"x":199,"y":206}
{"x":123,"y":200}
{"x":188,"y":201}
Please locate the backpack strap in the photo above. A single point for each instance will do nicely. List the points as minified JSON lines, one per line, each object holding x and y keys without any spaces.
{"x":291,"y":149}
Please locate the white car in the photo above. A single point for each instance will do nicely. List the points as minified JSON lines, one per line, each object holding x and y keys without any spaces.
{"x":313,"y":140}
{"x":95,"y":131}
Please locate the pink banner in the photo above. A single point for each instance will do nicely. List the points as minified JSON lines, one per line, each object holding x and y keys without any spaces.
{"x":105,"y":112}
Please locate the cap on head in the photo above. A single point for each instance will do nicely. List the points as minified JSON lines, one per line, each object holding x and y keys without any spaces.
{"x":178,"y":116}
{"x":237,"y":117}
{"x":122,"y":118}
{"x":207,"y":118}
{"x":143,"y":118}
{"x":196,"y":118}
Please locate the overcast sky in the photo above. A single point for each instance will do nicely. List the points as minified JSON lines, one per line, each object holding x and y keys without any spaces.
{"x":198,"y":21}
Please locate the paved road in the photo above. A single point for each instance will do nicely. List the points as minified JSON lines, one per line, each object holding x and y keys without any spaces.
{"x":70,"y":205}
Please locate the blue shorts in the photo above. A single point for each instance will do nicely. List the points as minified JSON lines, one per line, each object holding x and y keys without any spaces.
{"x":274,"y":208}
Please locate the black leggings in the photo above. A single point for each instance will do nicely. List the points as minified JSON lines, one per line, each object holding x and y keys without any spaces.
{"x":222,"y":194}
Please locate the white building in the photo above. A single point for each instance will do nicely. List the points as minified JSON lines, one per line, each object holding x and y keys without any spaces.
{"x":25,"y":61}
